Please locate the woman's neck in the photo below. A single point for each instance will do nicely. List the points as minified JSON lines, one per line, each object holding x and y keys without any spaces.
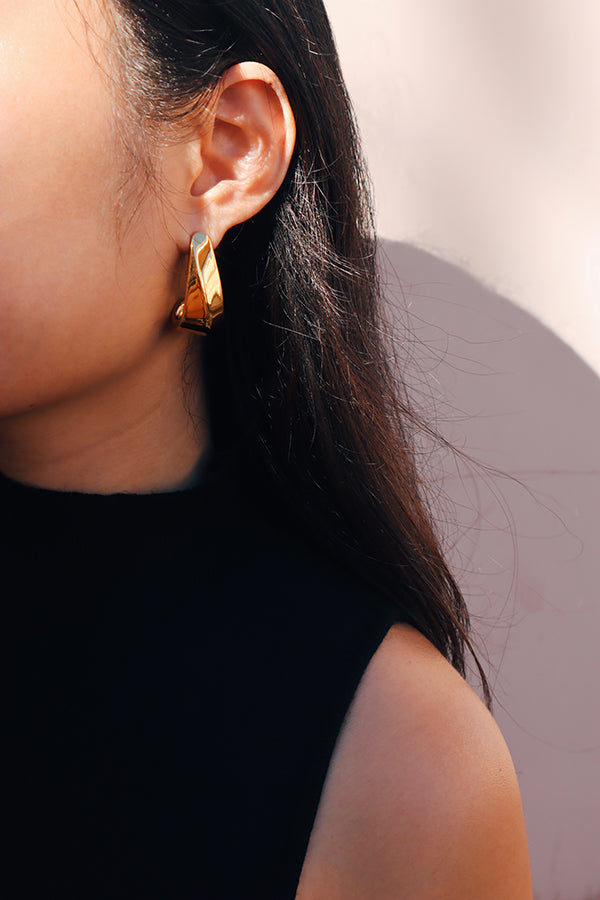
{"x":140,"y":432}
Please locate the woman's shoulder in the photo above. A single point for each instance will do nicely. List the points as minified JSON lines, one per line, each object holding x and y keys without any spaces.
{"x":421,"y":798}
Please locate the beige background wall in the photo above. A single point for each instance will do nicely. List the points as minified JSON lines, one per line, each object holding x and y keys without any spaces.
{"x":481,"y":123}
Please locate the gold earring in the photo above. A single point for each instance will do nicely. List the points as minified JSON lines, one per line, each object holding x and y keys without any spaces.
{"x":203,"y":301}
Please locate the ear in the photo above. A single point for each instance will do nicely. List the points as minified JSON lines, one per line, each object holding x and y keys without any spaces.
{"x":237,"y":161}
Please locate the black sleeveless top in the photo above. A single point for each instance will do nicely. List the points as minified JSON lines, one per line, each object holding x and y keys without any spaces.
{"x":176,"y":669}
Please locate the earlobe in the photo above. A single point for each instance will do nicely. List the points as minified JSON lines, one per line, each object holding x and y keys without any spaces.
{"x":245,"y":152}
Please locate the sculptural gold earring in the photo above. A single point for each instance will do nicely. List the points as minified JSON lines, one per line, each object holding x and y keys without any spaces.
{"x":203,"y":301}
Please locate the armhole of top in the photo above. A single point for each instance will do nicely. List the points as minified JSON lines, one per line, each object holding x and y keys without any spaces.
{"x":314,"y":777}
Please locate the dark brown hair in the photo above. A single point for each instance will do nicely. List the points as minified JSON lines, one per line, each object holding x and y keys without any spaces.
{"x":299,"y":379}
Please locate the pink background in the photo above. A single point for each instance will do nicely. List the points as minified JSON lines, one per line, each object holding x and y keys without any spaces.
{"x":526,"y":548}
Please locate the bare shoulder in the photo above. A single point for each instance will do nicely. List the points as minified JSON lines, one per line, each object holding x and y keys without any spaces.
{"x":421,"y":799}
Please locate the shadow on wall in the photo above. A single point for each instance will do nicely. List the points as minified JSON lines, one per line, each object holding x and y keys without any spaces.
{"x":523,"y":535}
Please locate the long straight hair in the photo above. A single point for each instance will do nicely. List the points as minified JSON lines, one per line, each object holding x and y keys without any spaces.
{"x":300,"y":385}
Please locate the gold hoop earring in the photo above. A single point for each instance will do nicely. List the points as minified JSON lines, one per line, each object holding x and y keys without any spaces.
{"x":203,"y":301}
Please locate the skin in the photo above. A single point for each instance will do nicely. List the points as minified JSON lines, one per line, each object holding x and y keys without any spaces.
{"x":91,"y":394}
{"x":421,"y":799}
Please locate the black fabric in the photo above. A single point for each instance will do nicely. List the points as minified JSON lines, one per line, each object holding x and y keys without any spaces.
{"x":176,"y":670}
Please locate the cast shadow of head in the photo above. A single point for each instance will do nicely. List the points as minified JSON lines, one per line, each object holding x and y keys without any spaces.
{"x":521,"y":523}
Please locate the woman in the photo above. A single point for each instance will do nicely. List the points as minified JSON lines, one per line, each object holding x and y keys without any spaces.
{"x":233,"y":649}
